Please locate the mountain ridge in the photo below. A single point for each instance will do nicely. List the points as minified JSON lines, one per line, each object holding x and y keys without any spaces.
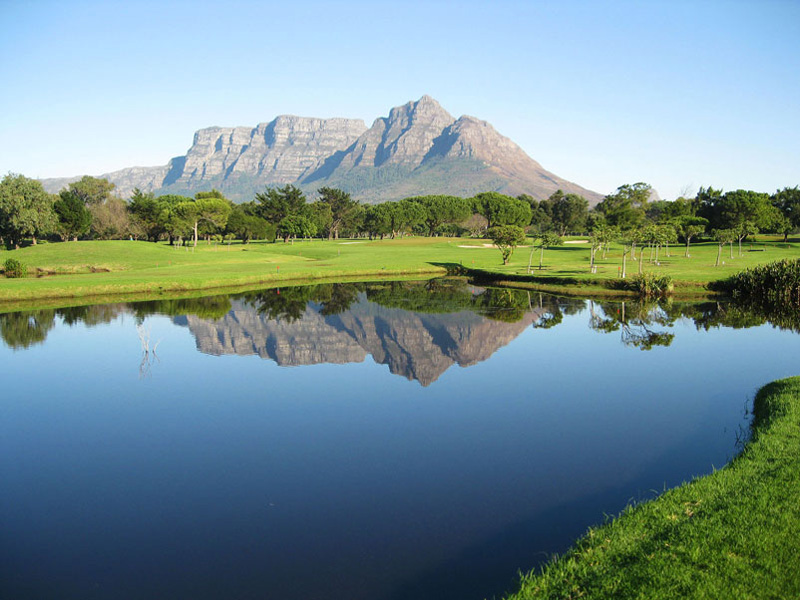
{"x":418,"y":149}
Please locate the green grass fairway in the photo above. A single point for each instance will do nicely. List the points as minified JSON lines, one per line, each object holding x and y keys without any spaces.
{"x":97,"y":268}
{"x":732,"y":534}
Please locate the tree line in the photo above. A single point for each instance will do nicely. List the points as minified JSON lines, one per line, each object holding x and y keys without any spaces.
{"x":90,"y":209}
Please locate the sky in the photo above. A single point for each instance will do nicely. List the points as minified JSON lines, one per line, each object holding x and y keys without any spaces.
{"x":675,"y":94}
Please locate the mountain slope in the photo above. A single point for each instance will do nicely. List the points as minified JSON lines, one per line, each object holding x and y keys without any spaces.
{"x":419,"y":148}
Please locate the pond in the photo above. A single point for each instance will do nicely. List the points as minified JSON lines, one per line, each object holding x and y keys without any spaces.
{"x":381,"y":441}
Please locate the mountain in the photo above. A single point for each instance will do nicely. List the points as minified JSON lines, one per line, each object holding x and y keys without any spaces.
{"x":419,"y":148}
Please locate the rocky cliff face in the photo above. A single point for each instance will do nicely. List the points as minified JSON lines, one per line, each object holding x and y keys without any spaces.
{"x":283,"y":151}
{"x":419,"y":148}
{"x":417,"y":346}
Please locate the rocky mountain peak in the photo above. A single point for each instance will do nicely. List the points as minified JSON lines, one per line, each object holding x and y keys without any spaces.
{"x":417,"y":149}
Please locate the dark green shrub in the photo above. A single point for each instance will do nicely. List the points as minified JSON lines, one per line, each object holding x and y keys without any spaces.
{"x":776,"y":282}
{"x":13,"y":268}
{"x":650,"y":285}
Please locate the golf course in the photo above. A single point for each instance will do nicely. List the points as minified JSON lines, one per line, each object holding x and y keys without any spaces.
{"x":89,"y":270}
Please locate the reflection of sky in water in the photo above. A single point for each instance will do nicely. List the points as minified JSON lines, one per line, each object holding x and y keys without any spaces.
{"x":233,"y":477}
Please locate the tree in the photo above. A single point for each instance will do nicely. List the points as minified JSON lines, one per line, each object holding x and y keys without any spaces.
{"x":74,"y":219}
{"x":722,"y":237}
{"x":625,"y":208}
{"x":502,"y":210}
{"x":25,"y":209}
{"x":321,"y":215}
{"x":343,"y":209}
{"x":175,"y":216}
{"x":690,"y":227}
{"x":211,"y":210}
{"x":744,"y":229}
{"x":92,"y":190}
{"x":787,"y":201}
{"x":145,"y":213}
{"x":402,"y":216}
{"x":506,"y":238}
{"x":568,"y":212}
{"x":377,"y":220}
{"x":246,"y":226}
{"x":732,"y":210}
{"x":546,"y":240}
{"x":213,"y":193}
{"x":110,"y":220}
{"x":294,"y":226}
{"x":278,"y":203}
{"x":439,"y":210}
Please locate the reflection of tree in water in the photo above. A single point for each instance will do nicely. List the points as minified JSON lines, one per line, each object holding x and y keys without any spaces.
{"x":289,"y":304}
{"x":25,"y":329}
{"x":90,"y":315}
{"x":450,"y":296}
{"x":641,"y":324}
{"x":432,"y":296}
{"x":209,"y":307}
{"x":551,"y":309}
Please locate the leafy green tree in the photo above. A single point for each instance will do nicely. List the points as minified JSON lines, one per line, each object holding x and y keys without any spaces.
{"x":541,"y":214}
{"x":506,"y":238}
{"x":568,"y":212}
{"x":787,"y":201}
{"x":732,"y":210}
{"x":247,"y":227}
{"x":145,"y":213}
{"x":343,"y":209}
{"x":439,"y":210}
{"x":92,"y":190}
{"x":294,"y":226}
{"x":722,"y":237}
{"x":377,"y":220}
{"x":74,"y":219}
{"x":545,"y":240}
{"x":111,"y":219}
{"x":690,"y":227}
{"x":321,"y":215}
{"x":213,"y":193}
{"x":744,"y":229}
{"x":625,"y":208}
{"x":405,"y":216}
{"x":212,"y":211}
{"x":499,"y":209}
{"x":279,"y":203}
{"x":25,"y":209}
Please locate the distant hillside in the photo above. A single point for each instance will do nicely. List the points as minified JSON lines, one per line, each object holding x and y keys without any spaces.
{"x":419,"y":148}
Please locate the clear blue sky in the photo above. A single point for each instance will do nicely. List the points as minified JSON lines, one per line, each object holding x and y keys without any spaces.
{"x":676,"y":94}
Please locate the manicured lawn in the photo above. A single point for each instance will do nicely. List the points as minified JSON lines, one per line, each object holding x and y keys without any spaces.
{"x":732,"y":534}
{"x":115,"y":267}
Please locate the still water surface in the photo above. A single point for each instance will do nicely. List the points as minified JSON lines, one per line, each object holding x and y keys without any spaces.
{"x":378,"y":441}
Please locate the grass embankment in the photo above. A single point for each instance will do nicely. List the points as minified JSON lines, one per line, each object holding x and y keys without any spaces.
{"x":101,"y":268}
{"x":732,"y":534}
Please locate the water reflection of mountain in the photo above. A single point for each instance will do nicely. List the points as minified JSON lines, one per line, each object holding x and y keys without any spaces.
{"x":416,"y":345}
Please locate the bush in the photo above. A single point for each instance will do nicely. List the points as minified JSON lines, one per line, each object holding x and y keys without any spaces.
{"x":650,"y":285}
{"x":13,"y":268}
{"x":776,"y":282}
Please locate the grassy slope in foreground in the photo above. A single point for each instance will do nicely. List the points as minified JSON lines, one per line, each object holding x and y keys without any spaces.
{"x":732,"y":534}
{"x":126,"y":267}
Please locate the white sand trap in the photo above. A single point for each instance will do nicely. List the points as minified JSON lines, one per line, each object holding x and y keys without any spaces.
{"x":348,"y":243}
{"x":577,"y":242}
{"x":481,"y":246}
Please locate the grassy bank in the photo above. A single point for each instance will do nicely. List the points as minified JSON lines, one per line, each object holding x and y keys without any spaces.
{"x":732,"y":534}
{"x":101,"y":268}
